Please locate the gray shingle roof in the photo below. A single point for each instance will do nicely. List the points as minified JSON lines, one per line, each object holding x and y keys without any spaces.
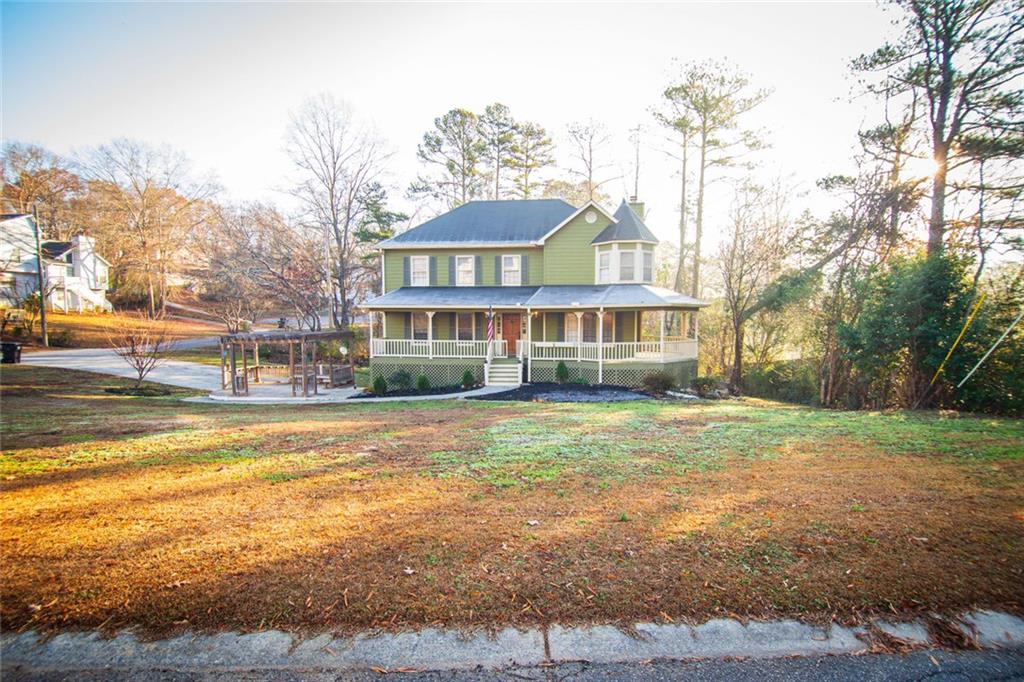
{"x":54,"y":249}
{"x":552,"y":296}
{"x":488,"y":222}
{"x":627,"y":227}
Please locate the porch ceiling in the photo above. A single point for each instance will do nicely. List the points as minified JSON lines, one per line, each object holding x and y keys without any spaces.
{"x":544,"y":297}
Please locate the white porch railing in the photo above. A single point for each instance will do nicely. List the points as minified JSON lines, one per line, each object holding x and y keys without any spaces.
{"x":435,"y":349}
{"x":652,"y":351}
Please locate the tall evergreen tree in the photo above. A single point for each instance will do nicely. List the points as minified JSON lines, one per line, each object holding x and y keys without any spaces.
{"x":963,"y":58}
{"x":497,"y":135}
{"x":710,"y":97}
{"x":454,"y":148}
{"x":532,"y":150}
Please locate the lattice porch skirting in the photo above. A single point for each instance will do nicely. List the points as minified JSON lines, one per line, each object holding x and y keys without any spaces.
{"x":440,"y":371}
{"x":618,"y":373}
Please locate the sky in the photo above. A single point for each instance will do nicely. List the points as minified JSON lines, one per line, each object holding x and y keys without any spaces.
{"x":219,"y":80}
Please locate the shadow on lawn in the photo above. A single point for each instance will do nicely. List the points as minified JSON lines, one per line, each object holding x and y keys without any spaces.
{"x":324,"y":553}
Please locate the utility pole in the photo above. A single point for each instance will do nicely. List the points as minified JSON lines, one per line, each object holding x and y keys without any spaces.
{"x":40,"y":276}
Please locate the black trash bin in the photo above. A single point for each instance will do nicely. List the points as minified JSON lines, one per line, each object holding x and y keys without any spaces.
{"x":11,"y":352}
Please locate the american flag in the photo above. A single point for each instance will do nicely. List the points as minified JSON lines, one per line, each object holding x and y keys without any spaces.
{"x":490,"y":324}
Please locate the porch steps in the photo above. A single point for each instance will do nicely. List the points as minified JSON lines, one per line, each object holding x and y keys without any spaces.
{"x":504,"y":372}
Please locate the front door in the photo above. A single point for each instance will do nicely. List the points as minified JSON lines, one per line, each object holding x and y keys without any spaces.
{"x":510,"y":323}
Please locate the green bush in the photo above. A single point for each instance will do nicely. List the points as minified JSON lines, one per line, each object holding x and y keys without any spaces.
{"x":703,"y":385}
{"x":561,"y":372}
{"x":658,"y":383}
{"x":580,"y":381}
{"x":62,"y":338}
{"x":468,"y":380}
{"x":401,"y":379}
{"x":422,"y":383}
{"x":380,"y":386}
{"x":794,"y":381}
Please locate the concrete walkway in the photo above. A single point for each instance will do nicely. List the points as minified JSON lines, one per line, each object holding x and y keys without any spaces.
{"x":207,"y":378}
{"x":442,"y":650}
{"x":106,"y":361}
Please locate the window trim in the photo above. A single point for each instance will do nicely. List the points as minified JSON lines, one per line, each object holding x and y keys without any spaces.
{"x":518,"y":269}
{"x":426,"y":270}
{"x":472,"y":271}
{"x":571,"y":328}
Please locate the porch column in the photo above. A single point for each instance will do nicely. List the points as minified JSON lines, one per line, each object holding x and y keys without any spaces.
{"x":528,"y":356}
{"x":663,"y":336}
{"x":430,"y":334}
{"x":600,"y":346}
{"x":579,"y":336}
{"x":369,"y":351}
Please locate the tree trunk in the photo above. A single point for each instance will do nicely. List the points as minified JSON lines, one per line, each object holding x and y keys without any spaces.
{"x":937,"y":221}
{"x":698,"y":224}
{"x":680,"y":270}
{"x":736,"y":376}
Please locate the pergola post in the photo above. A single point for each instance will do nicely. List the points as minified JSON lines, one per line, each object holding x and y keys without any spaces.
{"x":430,"y":334}
{"x":305,"y":372}
{"x":579,"y":336}
{"x":245,"y":370}
{"x":223,"y":367}
{"x":234,"y":370}
{"x":600,"y":346}
{"x":291,"y":365}
{"x":312,"y":353}
{"x":256,"y":362}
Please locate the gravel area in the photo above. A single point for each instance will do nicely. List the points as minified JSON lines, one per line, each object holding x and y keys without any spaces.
{"x":569,"y":393}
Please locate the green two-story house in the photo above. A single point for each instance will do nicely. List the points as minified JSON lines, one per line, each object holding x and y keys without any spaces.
{"x":555,"y":282}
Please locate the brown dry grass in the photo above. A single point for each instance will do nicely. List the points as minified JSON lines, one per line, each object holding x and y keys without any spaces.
{"x":167,"y":515}
{"x":90,"y":330}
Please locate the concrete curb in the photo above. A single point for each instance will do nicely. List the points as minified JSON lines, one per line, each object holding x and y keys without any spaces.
{"x":434,"y":649}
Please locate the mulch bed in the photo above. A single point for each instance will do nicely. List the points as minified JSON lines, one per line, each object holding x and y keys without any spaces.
{"x":404,"y":392}
{"x":569,"y":393}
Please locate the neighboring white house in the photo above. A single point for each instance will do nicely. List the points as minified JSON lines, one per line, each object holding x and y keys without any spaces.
{"x":76,"y":277}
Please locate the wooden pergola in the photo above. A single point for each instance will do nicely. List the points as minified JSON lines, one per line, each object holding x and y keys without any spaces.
{"x":302,"y":374}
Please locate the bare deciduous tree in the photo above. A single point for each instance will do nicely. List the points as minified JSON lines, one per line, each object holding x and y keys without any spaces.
{"x":144,"y":208}
{"x":588,"y":141}
{"x":338,"y":161}
{"x":142,"y":343}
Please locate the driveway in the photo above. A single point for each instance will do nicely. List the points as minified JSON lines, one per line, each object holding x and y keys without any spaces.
{"x":105,"y":361}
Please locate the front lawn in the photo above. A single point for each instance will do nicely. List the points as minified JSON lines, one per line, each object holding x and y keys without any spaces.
{"x":119,"y":511}
{"x":92,"y":330}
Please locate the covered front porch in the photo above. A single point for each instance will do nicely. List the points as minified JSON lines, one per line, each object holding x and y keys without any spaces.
{"x":597,"y":345}
{"x":604,"y":334}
